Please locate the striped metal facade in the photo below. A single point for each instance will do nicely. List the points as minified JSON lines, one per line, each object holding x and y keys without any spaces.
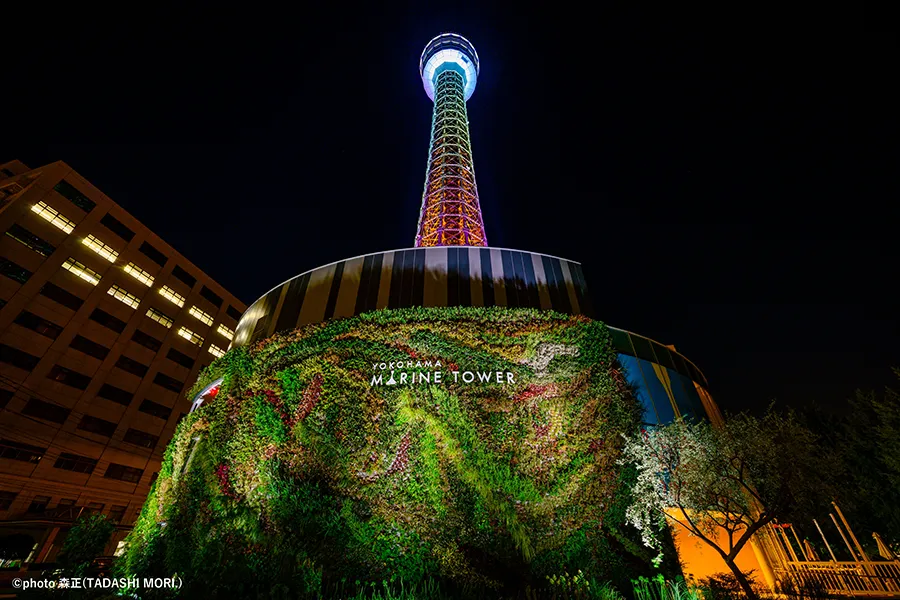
{"x":666,"y":383}
{"x":440,"y":276}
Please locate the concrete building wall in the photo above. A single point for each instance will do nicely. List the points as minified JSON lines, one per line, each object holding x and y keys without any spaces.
{"x":94,"y":360}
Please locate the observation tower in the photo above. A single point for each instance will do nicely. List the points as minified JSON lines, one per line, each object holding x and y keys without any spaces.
{"x":451,"y":264}
{"x":450,"y":214}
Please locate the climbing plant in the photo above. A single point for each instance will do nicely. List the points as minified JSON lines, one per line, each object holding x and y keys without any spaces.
{"x":475,"y":446}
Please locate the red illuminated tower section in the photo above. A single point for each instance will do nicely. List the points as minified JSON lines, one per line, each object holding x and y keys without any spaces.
{"x":451,"y":214}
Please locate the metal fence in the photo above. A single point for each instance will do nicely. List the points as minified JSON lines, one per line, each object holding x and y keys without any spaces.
{"x":849,"y":578}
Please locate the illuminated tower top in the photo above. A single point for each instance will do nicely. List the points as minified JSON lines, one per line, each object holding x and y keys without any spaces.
{"x":449,"y":51}
{"x":451,"y":213}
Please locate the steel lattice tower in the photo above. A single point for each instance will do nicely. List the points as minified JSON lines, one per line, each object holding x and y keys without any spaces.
{"x":450,"y":214}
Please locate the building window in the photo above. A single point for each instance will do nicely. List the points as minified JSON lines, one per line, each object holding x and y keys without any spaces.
{"x":79,"y":270}
{"x":201,"y":316}
{"x":82,"y":344}
{"x":155,"y":409}
{"x":132,"y":366}
{"x":141,"y":438}
{"x":116,"y":226}
{"x":146,"y":340}
{"x":8,"y":191}
{"x":178,"y":358}
{"x":124,"y":297}
{"x":139,"y":274}
{"x":117,"y":513}
{"x":44,"y":410}
{"x":69,"y":377}
{"x":76,"y":463}
{"x":18,"y":358}
{"x":215,"y":351}
{"x":172,"y":296}
{"x":68,"y":191}
{"x":35,"y":323}
{"x":211,"y":296}
{"x":229,"y":333}
{"x":107,"y":320}
{"x":61,"y":296}
{"x":123,"y":472}
{"x":190,"y":336}
{"x":6,"y":499}
{"x":5,"y":397}
{"x":100,"y":248}
{"x":184,"y":276}
{"x":170,"y":383}
{"x":94,"y":507}
{"x":14,"y":271}
{"x":153,"y":254}
{"x":233,"y":313}
{"x":28,"y":239}
{"x":21,"y":452}
{"x":160,"y":318}
{"x":97,"y":425}
{"x":45,"y":211}
{"x":117,"y":395}
{"x":38,"y":504}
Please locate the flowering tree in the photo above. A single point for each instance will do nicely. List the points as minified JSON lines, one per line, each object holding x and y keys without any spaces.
{"x":723,"y":484}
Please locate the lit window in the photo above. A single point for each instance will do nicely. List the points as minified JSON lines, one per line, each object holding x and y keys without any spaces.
{"x":100,"y":248}
{"x":52,"y":215}
{"x":190,"y":336}
{"x":215,"y":351}
{"x":124,"y":297}
{"x":76,"y":268}
{"x":200,"y":315}
{"x":171,"y":295}
{"x":226,"y":332}
{"x":160,"y":318}
{"x":139,"y":274}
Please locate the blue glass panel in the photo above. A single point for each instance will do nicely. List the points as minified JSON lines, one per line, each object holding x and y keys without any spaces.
{"x":633,"y":376}
{"x":658,"y":392}
{"x":686,"y":397}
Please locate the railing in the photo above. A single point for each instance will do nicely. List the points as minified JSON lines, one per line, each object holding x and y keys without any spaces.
{"x":879,"y":579}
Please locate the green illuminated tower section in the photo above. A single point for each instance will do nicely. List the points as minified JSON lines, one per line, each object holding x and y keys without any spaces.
{"x":451,"y":213}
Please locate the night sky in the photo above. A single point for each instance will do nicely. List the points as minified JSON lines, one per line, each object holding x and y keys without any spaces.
{"x":729,"y":181}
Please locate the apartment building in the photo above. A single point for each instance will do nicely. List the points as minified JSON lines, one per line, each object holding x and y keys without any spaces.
{"x":103,"y":326}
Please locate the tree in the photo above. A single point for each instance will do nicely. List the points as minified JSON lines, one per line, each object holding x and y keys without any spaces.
{"x":85,"y":541}
{"x":865,"y":436}
{"x":735,"y":479}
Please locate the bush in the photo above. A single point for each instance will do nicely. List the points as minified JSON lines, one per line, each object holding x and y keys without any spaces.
{"x":725,"y":586}
{"x":802,"y":588}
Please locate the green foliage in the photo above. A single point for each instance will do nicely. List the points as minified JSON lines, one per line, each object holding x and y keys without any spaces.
{"x":660,"y":588}
{"x":301,"y":475}
{"x":800,"y":588}
{"x":85,"y":541}
{"x":725,"y":586}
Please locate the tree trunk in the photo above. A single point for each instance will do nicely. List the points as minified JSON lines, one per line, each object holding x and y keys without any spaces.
{"x":742,"y":579}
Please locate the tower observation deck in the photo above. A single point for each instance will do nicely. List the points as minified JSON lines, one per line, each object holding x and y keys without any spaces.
{"x":451,"y":213}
